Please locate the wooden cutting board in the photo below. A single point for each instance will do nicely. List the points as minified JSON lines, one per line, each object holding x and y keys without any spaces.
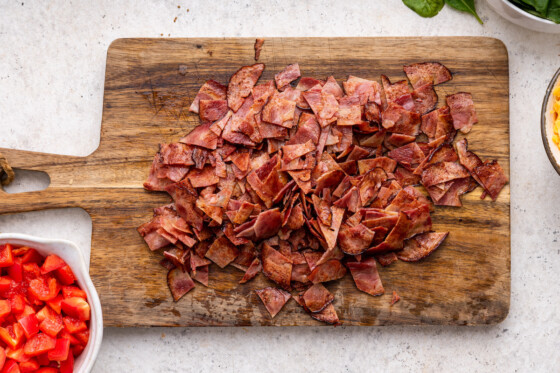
{"x":149,"y":85}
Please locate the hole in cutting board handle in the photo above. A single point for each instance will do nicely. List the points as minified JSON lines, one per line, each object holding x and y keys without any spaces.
{"x":28,"y":181}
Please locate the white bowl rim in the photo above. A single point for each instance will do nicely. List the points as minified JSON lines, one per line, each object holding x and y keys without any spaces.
{"x":527,"y":14}
{"x":544,"y":120}
{"x":96,"y":326}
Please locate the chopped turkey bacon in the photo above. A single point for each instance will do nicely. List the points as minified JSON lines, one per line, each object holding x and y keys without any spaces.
{"x":461,"y":107}
{"x":423,"y":73}
{"x":273,"y":299}
{"x":305,"y":183}
{"x":395,"y":298}
{"x":258,"y":48}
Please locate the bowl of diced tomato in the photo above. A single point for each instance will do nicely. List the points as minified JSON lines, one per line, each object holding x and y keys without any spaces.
{"x":50,"y":314}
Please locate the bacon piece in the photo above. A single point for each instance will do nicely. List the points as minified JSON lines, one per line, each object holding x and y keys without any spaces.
{"x":323,"y":104}
{"x":202,"y":136}
{"x":330,"y":233}
{"x":443,"y":153}
{"x":327,"y":315}
{"x":442,"y":172}
{"x":404,"y":177}
{"x":395,"y":298}
{"x":447,"y":194}
{"x":241,"y":83}
{"x":492,"y":177}
{"x":468,"y":159}
{"x":252,"y":271}
{"x":387,"y":258}
{"x":211,"y":90}
{"x":176,"y":154}
{"x":366,"y":165}
{"x":212,"y":110}
{"x":421,"y":246}
{"x":222,"y":252}
{"x":350,"y":201}
{"x":397,"y":139}
{"x":308,"y":129}
{"x":317,"y":298}
{"x":370,"y":184}
{"x":355,"y":240}
{"x":302,"y":179}
{"x":423,"y":73}
{"x":397,"y":119}
{"x":349,"y":111}
{"x":300,"y":273}
{"x":268,"y":223}
{"x":273,"y":299}
{"x":279,"y":111}
{"x":276,"y":266}
{"x":154,"y":182}
{"x":437,"y":123}
{"x":258,"y":47}
{"x":425,"y":98}
{"x":461,"y":107}
{"x":329,"y":271}
{"x":396,"y":92}
{"x":365,"y":90}
{"x":203,"y":178}
{"x":331,"y":87}
{"x":286,"y":76}
{"x":179,"y":282}
{"x":292,"y":152}
{"x":366,"y":277}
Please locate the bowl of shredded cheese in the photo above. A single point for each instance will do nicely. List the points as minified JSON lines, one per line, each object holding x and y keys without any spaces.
{"x":550,"y":121}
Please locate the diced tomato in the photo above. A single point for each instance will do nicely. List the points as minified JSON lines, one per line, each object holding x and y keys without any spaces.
{"x":15,"y":271}
{"x":2,"y":357}
{"x":77,"y":350}
{"x":39,"y":344}
{"x":6,"y":256}
{"x":73,"y":291}
{"x":67,"y":366}
{"x":32,"y":256}
{"x":5,"y":308}
{"x":30,"y":325}
{"x":28,"y":310}
{"x":83,"y":337}
{"x":31,"y":271}
{"x":43,"y":359}
{"x":43,"y":313}
{"x":66,"y":334}
{"x":52,"y":324}
{"x":52,"y":263}
{"x":12,"y":335}
{"x":29,"y":366}
{"x":44,"y":289}
{"x":11,"y":366}
{"x":60,"y":351}
{"x":17,"y":355}
{"x":76,"y":307}
{"x":65,"y":275}
{"x":5,"y":284}
{"x":74,"y":325}
{"x":56,"y":304}
{"x":17,"y":303}
{"x":20,"y":251}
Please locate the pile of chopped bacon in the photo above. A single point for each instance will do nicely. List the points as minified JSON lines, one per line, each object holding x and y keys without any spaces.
{"x":303,"y":180}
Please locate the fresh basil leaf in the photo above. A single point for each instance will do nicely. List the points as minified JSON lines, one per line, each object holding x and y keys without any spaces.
{"x":553,"y":12}
{"x":541,"y":6}
{"x":464,"y":6}
{"x":425,"y":8}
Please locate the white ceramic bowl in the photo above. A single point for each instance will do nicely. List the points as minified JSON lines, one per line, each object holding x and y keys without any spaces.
{"x":520,"y":17}
{"x":72,"y":255}
{"x":547,"y":123}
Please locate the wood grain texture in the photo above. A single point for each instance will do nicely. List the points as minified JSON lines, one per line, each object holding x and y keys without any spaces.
{"x":147,"y":93}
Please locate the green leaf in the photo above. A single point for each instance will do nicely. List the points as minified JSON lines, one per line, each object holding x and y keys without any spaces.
{"x":425,"y":8}
{"x":541,"y":6}
{"x":553,"y":12}
{"x":464,"y":6}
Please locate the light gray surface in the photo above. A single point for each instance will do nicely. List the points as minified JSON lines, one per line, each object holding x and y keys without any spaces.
{"x":52,"y":61}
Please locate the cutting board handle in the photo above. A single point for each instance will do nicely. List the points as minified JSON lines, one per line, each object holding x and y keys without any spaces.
{"x":57,"y":195}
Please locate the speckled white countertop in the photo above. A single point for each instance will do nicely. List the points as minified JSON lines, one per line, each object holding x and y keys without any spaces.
{"x":52,"y":63}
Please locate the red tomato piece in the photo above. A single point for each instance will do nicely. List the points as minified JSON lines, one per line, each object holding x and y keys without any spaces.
{"x":5,"y":308}
{"x":31,"y":271}
{"x":29,"y":366}
{"x":5,"y":284}
{"x":17,"y":303}
{"x":74,"y":325}
{"x":60,"y":351}
{"x":73,"y":291}
{"x":17,"y":355}
{"x":76,"y":307}
{"x":30,"y":325}
{"x":83,"y":337}
{"x":11,"y":366}
{"x":66,"y":334}
{"x":39,"y":288}
{"x":2,"y":357}
{"x":65,"y":275}
{"x":15,"y":271}
{"x":12,"y":335}
{"x":38,"y":344}
{"x":52,"y":324}
{"x":20,"y":251}
{"x":43,"y":359}
{"x":47,"y":370}
{"x":52,"y":263}
{"x":67,"y":366}
{"x":55,"y":304}
{"x":28,"y":310}
{"x":77,"y":350}
{"x":6,"y":256}
{"x":32,"y":256}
